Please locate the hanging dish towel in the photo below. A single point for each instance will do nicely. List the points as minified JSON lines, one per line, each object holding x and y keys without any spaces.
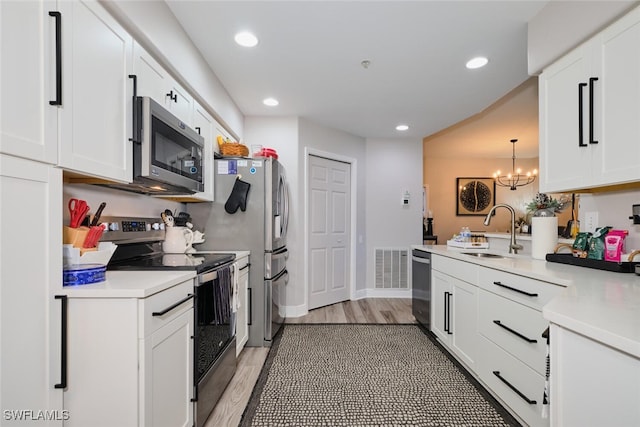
{"x":238,"y":197}
{"x":223,"y":303}
{"x":545,"y":394}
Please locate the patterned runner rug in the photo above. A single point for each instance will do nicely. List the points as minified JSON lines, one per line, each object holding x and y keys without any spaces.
{"x":366,"y":375}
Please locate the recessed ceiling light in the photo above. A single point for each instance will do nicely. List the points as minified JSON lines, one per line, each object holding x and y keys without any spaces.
{"x":271,"y":102}
{"x":477,"y":62}
{"x":402,"y":127}
{"x":246,"y":39}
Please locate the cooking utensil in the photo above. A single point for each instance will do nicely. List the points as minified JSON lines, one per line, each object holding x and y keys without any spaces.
{"x":94,"y":234}
{"x":77,"y":210}
{"x":167,"y":218}
{"x":96,"y":217}
{"x":181,"y":219}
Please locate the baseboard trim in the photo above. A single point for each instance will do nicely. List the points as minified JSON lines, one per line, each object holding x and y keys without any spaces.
{"x":382,"y":293}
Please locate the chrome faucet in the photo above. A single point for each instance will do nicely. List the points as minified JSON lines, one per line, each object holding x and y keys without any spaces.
{"x":513,"y":247}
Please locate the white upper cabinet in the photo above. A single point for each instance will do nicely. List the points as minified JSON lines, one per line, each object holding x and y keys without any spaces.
{"x":96,"y":112}
{"x":203,"y":123}
{"x":590,"y":112}
{"x":27,"y":80}
{"x":154,"y":81}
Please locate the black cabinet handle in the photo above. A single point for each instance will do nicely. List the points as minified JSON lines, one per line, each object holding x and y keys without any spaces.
{"x":515,"y":290}
{"x":58,"y":18}
{"x":249,"y":303}
{"x":449,"y":306}
{"x":134,"y":119}
{"x":516,"y":333}
{"x":580,"y":116}
{"x":198,"y":130}
{"x":63,"y":343}
{"x":447,"y":312}
{"x":168,"y":309}
{"x":173,"y":96}
{"x":591,"y":80}
{"x":518,"y":392}
{"x":247,"y":265}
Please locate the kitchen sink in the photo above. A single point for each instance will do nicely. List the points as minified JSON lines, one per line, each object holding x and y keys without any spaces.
{"x":482,"y":255}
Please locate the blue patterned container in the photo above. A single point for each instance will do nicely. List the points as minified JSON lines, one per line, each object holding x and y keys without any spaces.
{"x":83,"y":274}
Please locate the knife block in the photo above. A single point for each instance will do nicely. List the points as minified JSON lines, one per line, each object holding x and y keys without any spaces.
{"x":74,"y":236}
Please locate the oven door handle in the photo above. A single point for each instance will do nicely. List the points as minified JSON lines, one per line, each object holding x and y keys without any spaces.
{"x":171,"y":307}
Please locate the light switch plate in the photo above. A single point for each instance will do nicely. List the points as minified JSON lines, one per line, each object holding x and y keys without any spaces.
{"x":590,"y":221}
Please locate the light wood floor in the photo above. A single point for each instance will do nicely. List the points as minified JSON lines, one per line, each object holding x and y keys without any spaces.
{"x":229,"y":409}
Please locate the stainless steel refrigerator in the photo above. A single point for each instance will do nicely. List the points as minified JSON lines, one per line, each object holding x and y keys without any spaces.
{"x":251,"y":212}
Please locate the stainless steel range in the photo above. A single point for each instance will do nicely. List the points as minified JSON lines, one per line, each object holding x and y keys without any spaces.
{"x":139,"y":248}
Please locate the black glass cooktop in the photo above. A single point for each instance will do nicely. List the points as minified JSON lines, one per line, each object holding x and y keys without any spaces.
{"x":164,"y":261}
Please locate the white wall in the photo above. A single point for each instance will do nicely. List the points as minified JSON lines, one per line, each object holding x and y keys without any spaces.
{"x":335,"y":142}
{"x":281,"y":134}
{"x":119,"y":203}
{"x":562,"y":25}
{"x":393,"y":166}
{"x":613,"y":209}
{"x":290,"y":137}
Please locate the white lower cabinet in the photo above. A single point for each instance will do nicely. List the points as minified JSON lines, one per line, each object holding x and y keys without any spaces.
{"x":592,"y":385}
{"x":454,"y":314}
{"x":242,"y":319}
{"x":30,"y":274}
{"x":130,"y":360}
{"x":513,"y":352}
{"x":519,"y":387}
{"x":491,"y":321}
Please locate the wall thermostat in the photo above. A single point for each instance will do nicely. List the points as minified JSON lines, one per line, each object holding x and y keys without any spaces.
{"x":405,"y":198}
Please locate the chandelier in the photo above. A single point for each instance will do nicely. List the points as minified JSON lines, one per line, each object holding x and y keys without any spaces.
{"x":516,"y":178}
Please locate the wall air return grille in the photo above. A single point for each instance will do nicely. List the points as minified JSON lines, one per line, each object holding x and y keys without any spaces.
{"x":391,"y":268}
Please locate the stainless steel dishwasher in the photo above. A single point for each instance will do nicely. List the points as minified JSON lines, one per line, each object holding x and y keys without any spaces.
{"x":421,"y":287}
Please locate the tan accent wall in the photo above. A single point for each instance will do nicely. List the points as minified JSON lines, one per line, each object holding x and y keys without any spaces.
{"x":440,"y":175}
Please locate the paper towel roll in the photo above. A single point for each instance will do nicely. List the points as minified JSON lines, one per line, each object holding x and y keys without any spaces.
{"x":544,"y":236}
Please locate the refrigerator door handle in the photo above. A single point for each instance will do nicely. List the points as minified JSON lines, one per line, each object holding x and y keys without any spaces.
{"x":285,"y":209}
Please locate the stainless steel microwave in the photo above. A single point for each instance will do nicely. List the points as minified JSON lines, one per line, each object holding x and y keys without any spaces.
{"x":167,"y":154}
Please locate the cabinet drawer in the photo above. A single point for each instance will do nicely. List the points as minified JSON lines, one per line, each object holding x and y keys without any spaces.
{"x":528,"y":385}
{"x":455,"y":268}
{"x":513,"y":327}
{"x":530,"y":292}
{"x":242,"y":263}
{"x":163,"y":302}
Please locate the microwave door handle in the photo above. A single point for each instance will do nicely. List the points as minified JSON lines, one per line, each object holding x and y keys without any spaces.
{"x":134,"y":121}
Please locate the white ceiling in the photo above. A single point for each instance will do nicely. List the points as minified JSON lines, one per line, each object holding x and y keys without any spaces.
{"x":310,"y":52}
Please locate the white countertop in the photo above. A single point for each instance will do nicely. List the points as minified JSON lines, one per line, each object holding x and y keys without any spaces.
{"x":519,"y":236}
{"x":130,"y":284}
{"x":602,"y":305}
{"x":137,"y":284}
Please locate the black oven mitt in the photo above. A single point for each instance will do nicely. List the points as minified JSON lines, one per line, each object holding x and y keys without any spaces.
{"x":238,"y":197}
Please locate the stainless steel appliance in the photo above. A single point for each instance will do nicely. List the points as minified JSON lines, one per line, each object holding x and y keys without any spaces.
{"x":167,"y":154}
{"x":259,"y":225}
{"x":214,"y":342}
{"x":421,"y":287}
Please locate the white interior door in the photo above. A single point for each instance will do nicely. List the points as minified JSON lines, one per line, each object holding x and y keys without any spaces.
{"x":329,"y":231}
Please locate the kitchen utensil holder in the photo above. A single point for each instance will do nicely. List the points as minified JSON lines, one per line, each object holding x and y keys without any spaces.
{"x":74,"y":236}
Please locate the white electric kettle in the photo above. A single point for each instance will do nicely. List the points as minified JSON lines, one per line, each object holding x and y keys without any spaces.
{"x":177,"y":240}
